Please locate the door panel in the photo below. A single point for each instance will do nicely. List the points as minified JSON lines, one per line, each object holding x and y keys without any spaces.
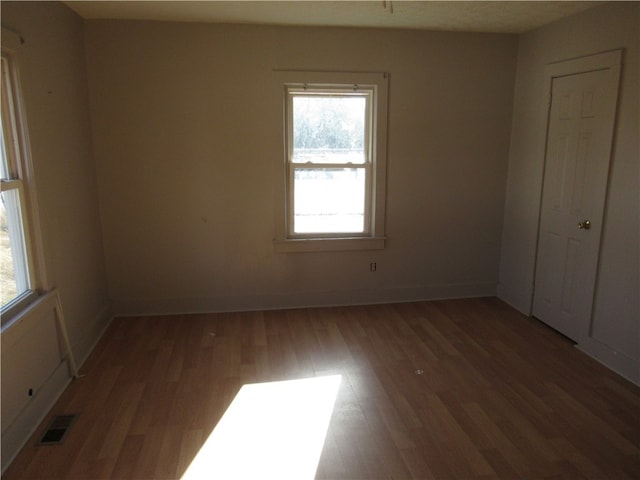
{"x":574,"y":190}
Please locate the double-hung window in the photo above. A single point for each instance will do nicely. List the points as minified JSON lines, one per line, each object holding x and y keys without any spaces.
{"x":334,"y":161}
{"x":17,"y":274}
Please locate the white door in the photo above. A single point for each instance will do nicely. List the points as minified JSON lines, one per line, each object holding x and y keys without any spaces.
{"x":579,"y":137}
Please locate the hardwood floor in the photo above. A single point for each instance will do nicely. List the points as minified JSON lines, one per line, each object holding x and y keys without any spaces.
{"x":455,"y":389}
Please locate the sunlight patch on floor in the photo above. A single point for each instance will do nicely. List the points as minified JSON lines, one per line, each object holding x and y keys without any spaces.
{"x":270,"y":430}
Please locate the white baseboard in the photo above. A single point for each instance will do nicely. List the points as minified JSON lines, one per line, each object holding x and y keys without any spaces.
{"x":92,"y":335}
{"x":275,"y":301}
{"x":17,"y":434}
{"x":619,"y":362}
{"x":520,"y":302}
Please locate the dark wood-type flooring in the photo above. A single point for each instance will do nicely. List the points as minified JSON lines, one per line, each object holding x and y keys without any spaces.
{"x":497,"y":394}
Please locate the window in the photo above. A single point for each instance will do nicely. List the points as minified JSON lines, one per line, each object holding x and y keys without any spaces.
{"x":334,"y":161}
{"x":17,"y":278}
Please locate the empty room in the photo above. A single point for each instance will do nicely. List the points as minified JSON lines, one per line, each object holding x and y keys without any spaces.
{"x":323,"y":239}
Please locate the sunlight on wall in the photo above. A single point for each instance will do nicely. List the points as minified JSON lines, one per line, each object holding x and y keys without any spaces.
{"x":270,"y":430}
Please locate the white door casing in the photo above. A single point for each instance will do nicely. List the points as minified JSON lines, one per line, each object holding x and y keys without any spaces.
{"x":583,"y":95}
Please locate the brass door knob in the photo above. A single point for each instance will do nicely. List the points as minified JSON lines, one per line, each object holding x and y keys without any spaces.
{"x":585,"y":224}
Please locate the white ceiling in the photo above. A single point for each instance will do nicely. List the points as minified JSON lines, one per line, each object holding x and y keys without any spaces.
{"x":471,"y":16}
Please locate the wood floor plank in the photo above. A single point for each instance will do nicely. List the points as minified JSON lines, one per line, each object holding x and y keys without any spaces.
{"x":130,"y":452}
{"x":451,"y":389}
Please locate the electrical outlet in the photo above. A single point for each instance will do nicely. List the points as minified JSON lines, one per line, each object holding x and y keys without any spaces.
{"x":373,"y":266}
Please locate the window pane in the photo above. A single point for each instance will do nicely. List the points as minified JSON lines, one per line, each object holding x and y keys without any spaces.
{"x":329,"y":129}
{"x":14,"y":279}
{"x":329,"y":200}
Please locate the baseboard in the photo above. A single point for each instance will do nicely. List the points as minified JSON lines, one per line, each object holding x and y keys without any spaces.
{"x":16,"y":435}
{"x":92,"y":335}
{"x":274,"y":301}
{"x":619,"y":362}
{"x":514,"y":299}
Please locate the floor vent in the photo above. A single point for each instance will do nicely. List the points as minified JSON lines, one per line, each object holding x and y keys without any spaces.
{"x":58,"y":429}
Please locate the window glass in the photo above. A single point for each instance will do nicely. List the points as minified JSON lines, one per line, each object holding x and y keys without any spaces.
{"x":8,"y":287}
{"x":16,"y":284}
{"x":329,"y":129}
{"x":329,"y":200}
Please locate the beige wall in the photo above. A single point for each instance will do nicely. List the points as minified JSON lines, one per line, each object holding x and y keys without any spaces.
{"x":616,"y":315}
{"x":54,"y":83}
{"x":186,"y":144}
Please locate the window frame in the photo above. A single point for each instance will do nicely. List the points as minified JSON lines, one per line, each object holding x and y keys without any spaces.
{"x":375,"y":86}
{"x":325,"y":92}
{"x":21,"y":179}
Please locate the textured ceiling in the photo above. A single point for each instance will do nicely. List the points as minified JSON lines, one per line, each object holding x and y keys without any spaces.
{"x":471,"y":16}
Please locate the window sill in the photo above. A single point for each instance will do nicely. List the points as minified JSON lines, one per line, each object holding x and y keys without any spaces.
{"x":329,"y":244}
{"x":15,"y":310}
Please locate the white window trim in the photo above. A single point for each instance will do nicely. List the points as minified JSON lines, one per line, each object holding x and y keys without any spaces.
{"x":11,"y":43}
{"x":375,"y":238}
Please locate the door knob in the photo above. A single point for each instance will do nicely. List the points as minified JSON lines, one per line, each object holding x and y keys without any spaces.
{"x":585,"y":224}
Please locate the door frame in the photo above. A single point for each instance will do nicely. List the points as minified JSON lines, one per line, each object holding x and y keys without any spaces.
{"x":609,"y":60}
